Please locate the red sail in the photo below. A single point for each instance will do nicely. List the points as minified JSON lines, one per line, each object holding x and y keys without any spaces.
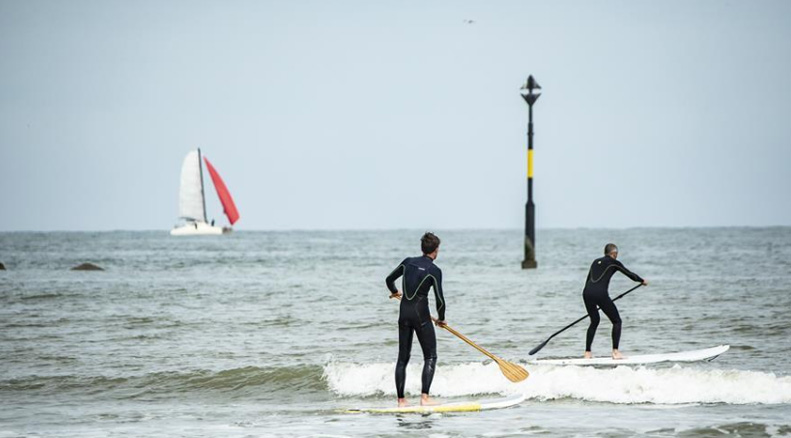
{"x":225,"y":196}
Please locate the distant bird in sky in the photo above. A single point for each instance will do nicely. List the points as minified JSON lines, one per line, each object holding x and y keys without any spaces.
{"x":469,"y":21}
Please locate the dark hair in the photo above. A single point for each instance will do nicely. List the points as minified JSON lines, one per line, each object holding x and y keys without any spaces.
{"x":429,"y":243}
{"x":610,"y":247}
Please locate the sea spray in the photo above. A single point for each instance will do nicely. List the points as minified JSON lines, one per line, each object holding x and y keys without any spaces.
{"x":350,"y":379}
{"x":622,"y":385}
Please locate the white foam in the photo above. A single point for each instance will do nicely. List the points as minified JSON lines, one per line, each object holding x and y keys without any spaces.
{"x":676,"y":385}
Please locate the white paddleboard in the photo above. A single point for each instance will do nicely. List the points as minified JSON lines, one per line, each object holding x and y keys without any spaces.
{"x":464,"y":406}
{"x":682,"y":356}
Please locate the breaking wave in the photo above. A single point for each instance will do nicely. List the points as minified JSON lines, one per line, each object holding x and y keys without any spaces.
{"x":623,"y":385}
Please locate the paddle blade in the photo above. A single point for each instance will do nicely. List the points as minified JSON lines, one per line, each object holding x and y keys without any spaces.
{"x":540,"y":346}
{"x":512,"y":371}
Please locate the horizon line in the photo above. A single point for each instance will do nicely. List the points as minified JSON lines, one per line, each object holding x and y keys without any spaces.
{"x":290,"y":230}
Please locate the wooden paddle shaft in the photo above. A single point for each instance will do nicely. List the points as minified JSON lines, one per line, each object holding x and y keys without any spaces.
{"x":467,"y":340}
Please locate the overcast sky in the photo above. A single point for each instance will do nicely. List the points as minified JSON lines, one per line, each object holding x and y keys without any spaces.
{"x":360,"y":114}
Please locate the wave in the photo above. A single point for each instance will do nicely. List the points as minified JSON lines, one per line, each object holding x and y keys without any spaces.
{"x":623,"y":385}
{"x":240,"y":380}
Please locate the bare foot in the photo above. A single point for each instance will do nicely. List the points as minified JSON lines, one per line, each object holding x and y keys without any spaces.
{"x":402,"y":403}
{"x":588,"y":355}
{"x":425,"y":400}
{"x":616,"y":354}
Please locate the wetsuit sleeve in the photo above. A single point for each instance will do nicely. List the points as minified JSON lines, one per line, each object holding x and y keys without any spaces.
{"x":390,"y":280}
{"x":437,"y":276}
{"x":628,"y":273}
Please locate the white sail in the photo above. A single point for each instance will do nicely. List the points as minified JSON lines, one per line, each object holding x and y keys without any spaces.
{"x":191,"y":203}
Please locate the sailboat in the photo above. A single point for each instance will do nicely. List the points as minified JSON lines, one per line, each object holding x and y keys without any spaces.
{"x":192,"y":201}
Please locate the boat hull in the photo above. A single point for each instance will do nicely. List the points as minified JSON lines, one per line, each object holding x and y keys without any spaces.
{"x":199,"y":229}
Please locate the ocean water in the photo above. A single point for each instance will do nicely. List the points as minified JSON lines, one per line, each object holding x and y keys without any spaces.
{"x":275,"y":333}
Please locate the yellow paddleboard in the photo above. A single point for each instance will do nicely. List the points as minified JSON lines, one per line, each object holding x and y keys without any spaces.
{"x":465,"y":406}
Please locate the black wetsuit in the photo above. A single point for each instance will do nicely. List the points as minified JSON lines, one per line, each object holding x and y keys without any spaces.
{"x":419,"y":275}
{"x":596,"y":294}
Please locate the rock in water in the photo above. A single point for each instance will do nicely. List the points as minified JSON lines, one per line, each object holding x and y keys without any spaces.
{"x":87,"y":267}
{"x":2,"y":267}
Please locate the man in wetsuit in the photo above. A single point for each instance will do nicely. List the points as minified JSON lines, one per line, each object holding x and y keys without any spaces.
{"x":596,"y":294}
{"x":419,"y":275}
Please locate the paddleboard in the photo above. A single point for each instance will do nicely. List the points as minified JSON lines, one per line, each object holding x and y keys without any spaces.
{"x":464,"y":406}
{"x":681,"y":356}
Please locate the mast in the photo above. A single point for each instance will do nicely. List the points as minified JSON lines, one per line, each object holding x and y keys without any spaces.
{"x":202,"y":195}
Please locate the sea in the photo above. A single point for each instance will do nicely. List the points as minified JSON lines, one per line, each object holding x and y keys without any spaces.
{"x":277,"y":334}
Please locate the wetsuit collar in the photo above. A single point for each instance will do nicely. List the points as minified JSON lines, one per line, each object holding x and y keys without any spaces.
{"x":428,"y":257}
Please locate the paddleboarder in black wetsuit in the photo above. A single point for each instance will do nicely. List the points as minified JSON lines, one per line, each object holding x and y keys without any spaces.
{"x":419,"y":275}
{"x":596,"y":294}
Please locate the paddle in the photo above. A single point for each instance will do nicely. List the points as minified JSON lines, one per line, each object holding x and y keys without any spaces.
{"x":511,"y":371}
{"x":541,"y":345}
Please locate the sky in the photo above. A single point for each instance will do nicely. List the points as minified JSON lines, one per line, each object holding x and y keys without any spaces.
{"x":396,"y":114}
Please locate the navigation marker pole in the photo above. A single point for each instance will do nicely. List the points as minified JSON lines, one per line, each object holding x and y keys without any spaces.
{"x":530,"y":209}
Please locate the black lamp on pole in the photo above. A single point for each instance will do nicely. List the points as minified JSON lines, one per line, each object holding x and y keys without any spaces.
{"x":530,"y":209}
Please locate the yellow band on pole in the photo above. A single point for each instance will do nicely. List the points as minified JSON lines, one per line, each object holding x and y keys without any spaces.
{"x":529,"y":163}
